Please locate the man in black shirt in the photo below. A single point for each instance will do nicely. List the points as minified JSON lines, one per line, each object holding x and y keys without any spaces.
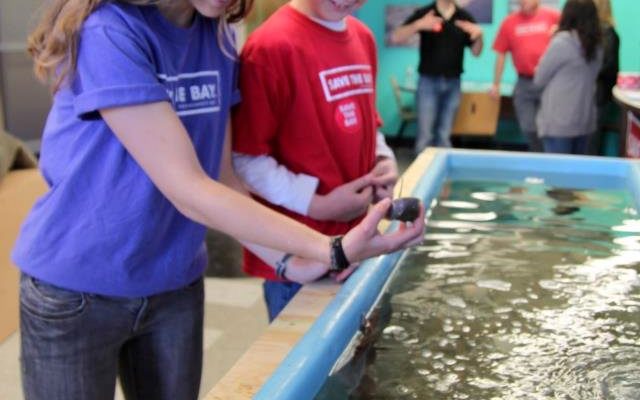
{"x":445,"y":30}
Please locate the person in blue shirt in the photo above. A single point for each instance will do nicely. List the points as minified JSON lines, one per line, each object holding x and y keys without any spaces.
{"x":136,"y":155}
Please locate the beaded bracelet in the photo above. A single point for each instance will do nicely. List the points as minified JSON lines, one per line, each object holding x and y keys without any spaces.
{"x":281,"y":267}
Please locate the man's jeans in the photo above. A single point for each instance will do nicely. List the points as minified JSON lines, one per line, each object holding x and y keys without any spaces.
{"x":437,"y":101}
{"x":74,"y":344}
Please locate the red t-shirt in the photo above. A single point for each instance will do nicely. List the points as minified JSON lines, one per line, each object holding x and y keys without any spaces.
{"x":526,"y":37}
{"x":308,"y":100}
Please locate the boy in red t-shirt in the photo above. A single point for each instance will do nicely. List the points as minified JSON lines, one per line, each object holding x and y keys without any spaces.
{"x":305,"y":134}
{"x":525,"y":34}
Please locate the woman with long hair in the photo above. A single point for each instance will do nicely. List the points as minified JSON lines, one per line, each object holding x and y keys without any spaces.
{"x":112,"y":256}
{"x":567,"y":74}
{"x":608,"y":75}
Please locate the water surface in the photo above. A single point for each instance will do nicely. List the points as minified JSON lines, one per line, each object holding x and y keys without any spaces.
{"x":520,"y":291}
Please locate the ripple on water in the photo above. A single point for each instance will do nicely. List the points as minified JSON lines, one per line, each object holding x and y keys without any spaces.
{"x":549,"y":284}
{"x":456,"y":302}
{"x":459,"y":204}
{"x":494,"y":284}
{"x":475,"y":217}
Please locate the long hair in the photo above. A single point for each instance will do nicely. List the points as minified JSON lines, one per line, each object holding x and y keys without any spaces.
{"x":53,"y":44}
{"x":604,"y":12}
{"x":581,"y":16}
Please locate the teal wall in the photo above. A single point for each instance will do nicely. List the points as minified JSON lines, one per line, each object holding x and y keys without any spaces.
{"x":396,"y":60}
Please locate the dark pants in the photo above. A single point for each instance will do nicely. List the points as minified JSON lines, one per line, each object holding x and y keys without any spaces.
{"x":566,"y":145}
{"x":277,"y":295}
{"x":74,"y":344}
{"x":526,"y":102}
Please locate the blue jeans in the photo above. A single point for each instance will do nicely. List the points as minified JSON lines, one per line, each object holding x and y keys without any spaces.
{"x":526,"y":102}
{"x":437,"y":101}
{"x":74,"y":344}
{"x":566,"y":145}
{"x":277,"y":295}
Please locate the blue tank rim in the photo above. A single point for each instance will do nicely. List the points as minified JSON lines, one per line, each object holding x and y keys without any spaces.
{"x":305,"y":368}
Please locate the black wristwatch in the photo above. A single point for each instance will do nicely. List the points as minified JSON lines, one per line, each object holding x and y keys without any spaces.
{"x":339,"y":260}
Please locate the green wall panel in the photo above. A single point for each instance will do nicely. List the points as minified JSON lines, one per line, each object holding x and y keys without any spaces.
{"x":394,"y":61}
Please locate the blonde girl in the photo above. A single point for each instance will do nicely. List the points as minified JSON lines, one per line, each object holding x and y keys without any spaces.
{"x":136,"y":155}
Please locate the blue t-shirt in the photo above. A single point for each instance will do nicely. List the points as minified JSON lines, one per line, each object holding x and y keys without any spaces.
{"x":104,"y":227}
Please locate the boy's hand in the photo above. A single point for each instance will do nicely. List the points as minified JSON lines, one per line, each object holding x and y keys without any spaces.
{"x":385,"y":176}
{"x":473,"y":30}
{"x":344,"y":203}
{"x":494,"y":91}
{"x":429,"y":22}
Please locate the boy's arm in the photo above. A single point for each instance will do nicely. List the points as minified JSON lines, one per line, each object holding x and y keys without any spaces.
{"x":477,"y":46}
{"x":296,"y":192}
{"x":275,"y":183}
{"x":297,"y":269}
{"x":415,"y":24}
{"x":475,"y":35}
{"x":501,"y":46}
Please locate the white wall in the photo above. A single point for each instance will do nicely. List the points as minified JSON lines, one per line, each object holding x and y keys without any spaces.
{"x":26,"y":101}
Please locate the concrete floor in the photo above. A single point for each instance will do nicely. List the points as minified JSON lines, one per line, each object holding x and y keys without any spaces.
{"x":234,"y":317}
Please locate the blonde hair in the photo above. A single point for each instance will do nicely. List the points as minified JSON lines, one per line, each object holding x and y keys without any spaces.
{"x":53,"y":44}
{"x":604,"y":12}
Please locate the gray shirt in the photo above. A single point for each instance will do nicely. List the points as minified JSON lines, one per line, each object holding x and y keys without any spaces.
{"x":568,"y":81}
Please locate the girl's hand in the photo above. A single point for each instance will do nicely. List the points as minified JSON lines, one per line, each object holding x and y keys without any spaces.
{"x":365,"y":241}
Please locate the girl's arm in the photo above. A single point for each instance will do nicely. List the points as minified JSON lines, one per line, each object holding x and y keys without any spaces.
{"x":299,"y":269}
{"x":155,"y":137}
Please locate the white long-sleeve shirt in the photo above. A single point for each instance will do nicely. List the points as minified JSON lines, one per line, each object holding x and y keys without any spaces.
{"x":278,"y":185}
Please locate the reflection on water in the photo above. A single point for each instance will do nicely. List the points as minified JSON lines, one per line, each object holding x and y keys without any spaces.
{"x":520,"y":291}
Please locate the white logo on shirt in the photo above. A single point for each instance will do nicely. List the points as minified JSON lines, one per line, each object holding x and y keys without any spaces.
{"x":341,"y":82}
{"x":532,"y":29}
{"x":194,"y":93}
{"x":348,"y":116}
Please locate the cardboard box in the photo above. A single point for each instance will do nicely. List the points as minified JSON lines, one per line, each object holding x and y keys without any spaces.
{"x":477,"y":115}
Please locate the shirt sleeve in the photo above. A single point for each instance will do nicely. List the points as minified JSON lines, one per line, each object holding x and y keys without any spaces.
{"x":382,"y":148}
{"x":501,"y":43}
{"x":113,"y":69}
{"x":275,"y":183}
{"x":468,"y":17}
{"x":255,"y":122}
{"x":416,"y":15}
